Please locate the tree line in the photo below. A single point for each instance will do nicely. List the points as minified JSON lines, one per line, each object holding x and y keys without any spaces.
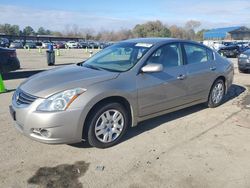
{"x":148,"y":29}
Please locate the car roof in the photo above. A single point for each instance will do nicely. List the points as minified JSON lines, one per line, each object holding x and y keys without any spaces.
{"x":158,"y":40}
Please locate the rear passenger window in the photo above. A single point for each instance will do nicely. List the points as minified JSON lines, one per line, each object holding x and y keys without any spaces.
{"x":195,"y":54}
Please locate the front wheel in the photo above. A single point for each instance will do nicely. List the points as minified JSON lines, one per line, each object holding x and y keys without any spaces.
{"x":107,"y":125}
{"x":216,"y":94}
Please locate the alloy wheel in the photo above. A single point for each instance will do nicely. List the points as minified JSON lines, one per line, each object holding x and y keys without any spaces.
{"x":109,"y":126}
{"x":217,"y":93}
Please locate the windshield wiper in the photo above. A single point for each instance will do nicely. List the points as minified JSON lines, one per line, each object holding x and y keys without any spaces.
{"x":99,"y":68}
{"x":110,"y":70}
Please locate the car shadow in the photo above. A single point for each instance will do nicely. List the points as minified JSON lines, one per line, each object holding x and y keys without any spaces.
{"x":233,"y":92}
{"x":19,"y":74}
{"x":147,"y":125}
{"x":83,"y":144}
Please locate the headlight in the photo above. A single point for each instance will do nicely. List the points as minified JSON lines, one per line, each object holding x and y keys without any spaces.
{"x":60,"y":101}
{"x":243,"y":56}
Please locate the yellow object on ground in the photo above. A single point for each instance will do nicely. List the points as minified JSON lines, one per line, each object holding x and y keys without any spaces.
{"x":90,"y":53}
{"x":58,"y":52}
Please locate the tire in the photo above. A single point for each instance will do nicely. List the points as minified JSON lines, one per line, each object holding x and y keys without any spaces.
{"x":100,"y":123}
{"x":218,"y":89}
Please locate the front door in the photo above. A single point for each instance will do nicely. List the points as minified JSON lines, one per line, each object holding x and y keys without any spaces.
{"x":160,"y":91}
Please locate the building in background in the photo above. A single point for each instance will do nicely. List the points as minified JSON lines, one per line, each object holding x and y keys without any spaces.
{"x":228,"y":33}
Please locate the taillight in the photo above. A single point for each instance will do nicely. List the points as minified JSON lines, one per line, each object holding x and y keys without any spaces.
{"x":12,"y":54}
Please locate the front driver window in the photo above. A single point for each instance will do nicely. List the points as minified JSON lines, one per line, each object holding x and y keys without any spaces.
{"x":168,"y":55}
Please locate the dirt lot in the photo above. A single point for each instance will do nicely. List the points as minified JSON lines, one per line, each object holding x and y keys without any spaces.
{"x":194,"y":147}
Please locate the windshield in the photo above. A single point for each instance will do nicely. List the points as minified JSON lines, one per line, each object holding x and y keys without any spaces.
{"x":119,"y":57}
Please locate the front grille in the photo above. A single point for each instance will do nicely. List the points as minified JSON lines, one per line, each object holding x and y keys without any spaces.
{"x":24,"y":98}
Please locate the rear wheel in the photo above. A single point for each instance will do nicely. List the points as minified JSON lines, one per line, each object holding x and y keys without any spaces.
{"x":107,"y":125}
{"x":216,"y":94}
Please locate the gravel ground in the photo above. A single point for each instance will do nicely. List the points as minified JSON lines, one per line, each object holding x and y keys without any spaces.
{"x":194,"y":147}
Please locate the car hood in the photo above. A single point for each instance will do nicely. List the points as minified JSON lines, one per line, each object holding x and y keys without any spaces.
{"x":49,"y":82}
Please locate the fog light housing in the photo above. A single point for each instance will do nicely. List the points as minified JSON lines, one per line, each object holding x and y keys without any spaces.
{"x":41,"y":132}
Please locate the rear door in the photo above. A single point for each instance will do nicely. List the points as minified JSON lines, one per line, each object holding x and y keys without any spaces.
{"x":201,"y":70}
{"x":159,"y":91}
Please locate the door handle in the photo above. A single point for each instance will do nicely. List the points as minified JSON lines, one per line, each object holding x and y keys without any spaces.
{"x":181,"y":77}
{"x":212,"y":68}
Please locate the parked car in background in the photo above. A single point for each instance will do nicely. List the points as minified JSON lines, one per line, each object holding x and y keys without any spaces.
{"x":217,"y":46}
{"x":228,"y":43}
{"x":72,"y":44}
{"x":93,"y":44}
{"x":4,"y":42}
{"x":59,"y":45}
{"x":107,"y":44}
{"x":54,"y":44}
{"x":244,"y":61}
{"x":8,"y":60}
{"x":229,"y":51}
{"x":39,"y":44}
{"x":30,"y":45}
{"x":83,"y":45}
{"x":243,"y":44}
{"x":124,"y":84}
{"x":45,"y":44}
{"x":16,"y":44}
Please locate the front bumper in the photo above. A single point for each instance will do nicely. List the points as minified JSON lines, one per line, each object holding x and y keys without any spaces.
{"x":63,"y":127}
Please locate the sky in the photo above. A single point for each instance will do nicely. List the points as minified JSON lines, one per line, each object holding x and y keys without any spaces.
{"x":122,"y":14}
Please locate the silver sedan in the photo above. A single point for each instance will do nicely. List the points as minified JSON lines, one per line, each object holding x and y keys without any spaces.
{"x":126,"y":83}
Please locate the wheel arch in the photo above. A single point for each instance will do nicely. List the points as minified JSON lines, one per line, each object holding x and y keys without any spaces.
{"x":219,"y":77}
{"x":224,"y":80}
{"x":118,"y":99}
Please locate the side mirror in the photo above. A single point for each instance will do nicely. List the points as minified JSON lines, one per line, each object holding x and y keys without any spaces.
{"x":152,"y":67}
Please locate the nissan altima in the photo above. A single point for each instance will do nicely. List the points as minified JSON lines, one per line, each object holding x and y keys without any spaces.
{"x":126,"y":83}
